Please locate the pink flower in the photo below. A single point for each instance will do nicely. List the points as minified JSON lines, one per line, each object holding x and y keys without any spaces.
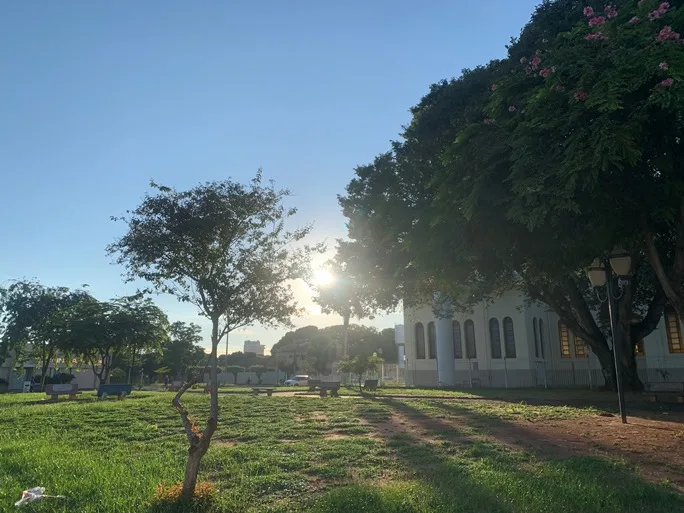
{"x":588,"y":12}
{"x":545,"y":72}
{"x":654,"y":15}
{"x":634,"y":20}
{"x":663,"y":65}
{"x":493,"y":87}
{"x":535,"y":62}
{"x":667,"y":34}
{"x":597,"y":35}
{"x":581,"y":96}
{"x":523,"y":60}
{"x":512,"y":108}
{"x":662,"y":8}
{"x":667,"y":82}
{"x":597,"y":22}
{"x":612,"y":14}
{"x":489,"y":121}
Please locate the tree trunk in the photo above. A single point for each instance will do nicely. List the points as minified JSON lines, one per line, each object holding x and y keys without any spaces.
{"x":199,"y":444}
{"x":345,"y":333}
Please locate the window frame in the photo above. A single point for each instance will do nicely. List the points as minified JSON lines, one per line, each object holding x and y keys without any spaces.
{"x":419,"y":340}
{"x":469,"y":355}
{"x":672,"y":323}
{"x":510,"y":350}
{"x":564,"y":340}
{"x":431,"y":341}
{"x":457,"y":340}
{"x":495,"y":339}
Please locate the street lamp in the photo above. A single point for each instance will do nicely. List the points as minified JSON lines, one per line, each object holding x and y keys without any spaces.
{"x":600,"y":273}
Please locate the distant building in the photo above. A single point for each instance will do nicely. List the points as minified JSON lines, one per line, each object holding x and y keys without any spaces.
{"x":254,"y":346}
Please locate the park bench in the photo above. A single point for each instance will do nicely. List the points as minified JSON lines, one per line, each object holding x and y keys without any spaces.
{"x":313,"y":384}
{"x":332,"y":386}
{"x":120,"y":390}
{"x":370,"y":385}
{"x":656,"y":390}
{"x":267,"y":390}
{"x":54,"y":391}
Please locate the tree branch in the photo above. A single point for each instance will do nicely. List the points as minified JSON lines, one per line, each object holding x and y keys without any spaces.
{"x":190,"y":429}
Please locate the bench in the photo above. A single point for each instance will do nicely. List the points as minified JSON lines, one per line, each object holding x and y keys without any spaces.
{"x":120,"y":390}
{"x":332,"y":386}
{"x":54,"y":391}
{"x":370,"y":385}
{"x":175,"y":386}
{"x":313,"y":384}
{"x":267,"y":390}
{"x":655,"y":390}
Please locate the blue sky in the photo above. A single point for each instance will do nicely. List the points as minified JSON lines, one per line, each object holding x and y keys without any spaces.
{"x":98,"y":97}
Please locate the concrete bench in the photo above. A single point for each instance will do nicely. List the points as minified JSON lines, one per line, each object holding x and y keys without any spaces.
{"x":175,"y":386}
{"x":54,"y":391}
{"x":266,"y":390}
{"x":370,"y":385}
{"x":656,"y":390}
{"x":332,"y":386}
{"x":120,"y":390}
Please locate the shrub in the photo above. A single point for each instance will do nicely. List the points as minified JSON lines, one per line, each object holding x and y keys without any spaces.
{"x":117,"y":376}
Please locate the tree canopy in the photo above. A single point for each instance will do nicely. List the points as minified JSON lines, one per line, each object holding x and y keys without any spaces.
{"x":521,"y":172}
{"x":224,"y":247}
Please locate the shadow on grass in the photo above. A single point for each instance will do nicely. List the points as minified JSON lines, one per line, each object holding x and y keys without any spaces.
{"x":475,"y":475}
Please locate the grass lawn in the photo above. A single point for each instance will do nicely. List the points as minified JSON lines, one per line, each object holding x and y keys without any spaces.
{"x":353,"y":454}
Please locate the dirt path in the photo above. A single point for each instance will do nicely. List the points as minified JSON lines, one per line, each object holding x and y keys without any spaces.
{"x":655,"y":446}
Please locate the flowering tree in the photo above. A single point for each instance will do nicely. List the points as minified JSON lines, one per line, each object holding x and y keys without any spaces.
{"x":521,"y":172}
{"x":599,"y":126}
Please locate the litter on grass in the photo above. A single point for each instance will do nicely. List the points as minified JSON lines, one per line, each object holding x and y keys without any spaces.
{"x":35,"y":494}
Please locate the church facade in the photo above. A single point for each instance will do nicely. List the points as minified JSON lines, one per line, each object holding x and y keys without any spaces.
{"x":509,"y":344}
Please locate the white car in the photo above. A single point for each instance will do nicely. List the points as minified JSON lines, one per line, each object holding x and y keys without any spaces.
{"x":299,"y":380}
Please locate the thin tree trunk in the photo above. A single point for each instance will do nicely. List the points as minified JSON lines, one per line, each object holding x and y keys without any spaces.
{"x":199,"y":443}
{"x":345,"y":334}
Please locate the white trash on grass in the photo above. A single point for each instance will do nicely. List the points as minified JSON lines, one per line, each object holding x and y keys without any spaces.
{"x":35,"y":494}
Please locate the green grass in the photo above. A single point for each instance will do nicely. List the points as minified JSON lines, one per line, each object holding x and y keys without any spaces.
{"x":303,"y":454}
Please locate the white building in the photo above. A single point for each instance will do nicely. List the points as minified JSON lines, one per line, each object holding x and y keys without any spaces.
{"x":510,"y":344}
{"x":254,"y":346}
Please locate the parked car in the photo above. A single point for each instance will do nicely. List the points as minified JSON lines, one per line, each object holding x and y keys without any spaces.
{"x":300,"y":380}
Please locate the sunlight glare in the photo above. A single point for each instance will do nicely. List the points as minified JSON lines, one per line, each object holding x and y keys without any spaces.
{"x":323,"y":277}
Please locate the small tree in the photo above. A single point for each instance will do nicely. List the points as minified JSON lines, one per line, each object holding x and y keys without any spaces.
{"x":258,"y":370}
{"x":223,"y":247}
{"x":235,"y":370}
{"x":360,"y":365}
{"x":320,"y":355}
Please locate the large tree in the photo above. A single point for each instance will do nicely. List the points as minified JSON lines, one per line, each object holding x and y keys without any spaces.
{"x":223,"y":247}
{"x":487,"y":193}
{"x":29,"y":320}
{"x":101,"y":332}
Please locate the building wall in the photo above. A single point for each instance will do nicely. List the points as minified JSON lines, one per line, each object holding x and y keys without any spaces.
{"x":528,"y":368}
{"x":254,"y":346}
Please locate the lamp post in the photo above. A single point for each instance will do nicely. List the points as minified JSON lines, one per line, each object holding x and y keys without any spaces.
{"x":600,"y":274}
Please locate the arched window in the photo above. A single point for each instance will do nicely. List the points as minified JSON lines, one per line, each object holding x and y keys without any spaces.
{"x":469,"y":330}
{"x":432,"y":341}
{"x":541,"y":338}
{"x":495,"y":338}
{"x":535,"y":327}
{"x":674,"y":331}
{"x":456,"y":336}
{"x":564,"y":338}
{"x":509,"y":337}
{"x":420,"y":341}
{"x":580,"y":348}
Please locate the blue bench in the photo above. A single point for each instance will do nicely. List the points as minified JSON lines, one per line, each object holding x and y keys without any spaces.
{"x":120,"y":390}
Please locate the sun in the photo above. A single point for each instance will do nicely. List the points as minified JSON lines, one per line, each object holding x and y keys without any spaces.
{"x":322,"y":277}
